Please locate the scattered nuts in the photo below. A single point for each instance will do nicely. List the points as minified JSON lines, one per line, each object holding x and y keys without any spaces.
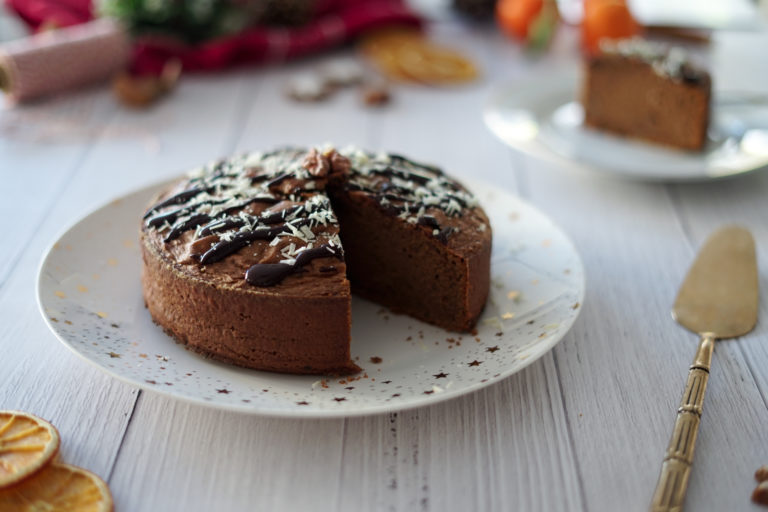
{"x":760,"y":494}
{"x":376,"y":95}
{"x":761,"y":475}
{"x":343,"y":72}
{"x":142,"y":91}
{"x":308,"y":87}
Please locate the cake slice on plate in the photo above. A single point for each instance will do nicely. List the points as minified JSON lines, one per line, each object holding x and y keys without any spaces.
{"x":644,"y":90}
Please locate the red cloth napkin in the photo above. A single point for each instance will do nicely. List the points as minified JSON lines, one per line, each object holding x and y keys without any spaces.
{"x":335,"y":22}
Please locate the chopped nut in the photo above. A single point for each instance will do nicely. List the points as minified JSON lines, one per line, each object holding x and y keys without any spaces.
{"x":376,"y":95}
{"x":343,"y":72}
{"x":339,"y":162}
{"x":760,"y":494}
{"x":317,"y":164}
{"x":142,"y":91}
{"x":761,"y":475}
{"x":308,"y":87}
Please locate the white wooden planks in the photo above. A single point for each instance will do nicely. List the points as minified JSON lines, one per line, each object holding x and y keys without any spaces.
{"x":584,"y":428}
{"x":39,"y":374}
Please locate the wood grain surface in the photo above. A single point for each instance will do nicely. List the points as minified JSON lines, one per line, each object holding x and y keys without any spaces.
{"x":583,"y":429}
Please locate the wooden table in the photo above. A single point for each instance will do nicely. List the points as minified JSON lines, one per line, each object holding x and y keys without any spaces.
{"x":584,"y":428}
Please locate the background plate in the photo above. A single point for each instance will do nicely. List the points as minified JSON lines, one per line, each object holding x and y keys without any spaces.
{"x":541,"y":116}
{"x":90,"y":295}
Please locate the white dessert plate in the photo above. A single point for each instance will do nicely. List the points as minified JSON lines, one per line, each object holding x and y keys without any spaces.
{"x":90,"y":295}
{"x":542,"y":117}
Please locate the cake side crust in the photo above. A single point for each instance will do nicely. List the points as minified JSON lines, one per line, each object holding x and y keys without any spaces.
{"x":246,"y":327}
{"x":627,"y":97}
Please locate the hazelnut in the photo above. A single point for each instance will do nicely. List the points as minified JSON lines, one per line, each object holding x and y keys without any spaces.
{"x":760,"y":494}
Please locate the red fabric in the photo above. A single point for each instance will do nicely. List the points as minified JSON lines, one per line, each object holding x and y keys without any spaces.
{"x":335,"y":22}
{"x":60,"y":13}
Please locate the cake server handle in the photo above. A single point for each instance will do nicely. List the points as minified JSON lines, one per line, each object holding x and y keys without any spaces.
{"x":676,"y":468}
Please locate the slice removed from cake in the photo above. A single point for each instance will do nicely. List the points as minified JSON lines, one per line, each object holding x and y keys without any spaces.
{"x":644,"y":90}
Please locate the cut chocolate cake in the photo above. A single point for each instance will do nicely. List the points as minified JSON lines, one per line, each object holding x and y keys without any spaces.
{"x":243,"y":260}
{"x":645,"y":90}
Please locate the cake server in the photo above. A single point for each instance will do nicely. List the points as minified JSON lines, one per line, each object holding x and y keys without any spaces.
{"x":717,"y":300}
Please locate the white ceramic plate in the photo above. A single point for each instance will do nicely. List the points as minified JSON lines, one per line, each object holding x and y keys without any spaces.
{"x":90,"y":295}
{"x":540,"y":116}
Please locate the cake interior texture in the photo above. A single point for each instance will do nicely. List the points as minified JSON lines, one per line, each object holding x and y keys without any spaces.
{"x":396,"y":265}
{"x":638,"y":93}
{"x":250,"y":260}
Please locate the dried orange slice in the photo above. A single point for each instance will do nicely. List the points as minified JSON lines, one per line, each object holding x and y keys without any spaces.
{"x":27,"y":443}
{"x":61,"y":488}
{"x":408,"y":56}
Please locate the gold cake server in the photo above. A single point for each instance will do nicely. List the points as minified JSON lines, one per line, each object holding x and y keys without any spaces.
{"x":717,"y":300}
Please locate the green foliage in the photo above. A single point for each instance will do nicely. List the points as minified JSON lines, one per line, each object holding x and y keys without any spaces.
{"x":198,"y":20}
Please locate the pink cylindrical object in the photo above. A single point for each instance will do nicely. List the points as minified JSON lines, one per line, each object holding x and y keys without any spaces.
{"x":53,"y":61}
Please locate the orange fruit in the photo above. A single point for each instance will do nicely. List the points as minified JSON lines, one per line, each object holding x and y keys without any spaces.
{"x":27,"y":444}
{"x":516,"y":16}
{"x":60,"y":488}
{"x":606,"y":19}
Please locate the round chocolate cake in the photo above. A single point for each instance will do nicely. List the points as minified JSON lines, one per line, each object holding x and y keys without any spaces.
{"x":249,"y":260}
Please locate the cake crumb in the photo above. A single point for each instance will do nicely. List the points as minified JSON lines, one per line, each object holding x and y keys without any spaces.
{"x":376,"y":360}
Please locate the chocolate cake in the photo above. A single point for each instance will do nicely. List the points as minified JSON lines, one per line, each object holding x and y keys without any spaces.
{"x":640,"y":89}
{"x":249,"y":260}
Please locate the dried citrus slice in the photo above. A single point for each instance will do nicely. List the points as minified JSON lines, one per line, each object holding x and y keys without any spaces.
{"x":61,"y":488}
{"x":27,"y":443}
{"x":408,"y":56}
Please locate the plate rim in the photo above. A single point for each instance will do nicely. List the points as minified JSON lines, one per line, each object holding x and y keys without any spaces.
{"x":567,"y":79}
{"x":249,"y":409}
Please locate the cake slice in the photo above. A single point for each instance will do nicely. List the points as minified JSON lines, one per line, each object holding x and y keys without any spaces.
{"x":249,"y":260}
{"x":643,"y":90}
{"x":416,"y":241}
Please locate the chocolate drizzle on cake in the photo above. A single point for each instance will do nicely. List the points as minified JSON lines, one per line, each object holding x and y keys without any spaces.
{"x":270,"y":274}
{"x":278,"y":197}
{"x":409,"y":190}
{"x":271,"y":197}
